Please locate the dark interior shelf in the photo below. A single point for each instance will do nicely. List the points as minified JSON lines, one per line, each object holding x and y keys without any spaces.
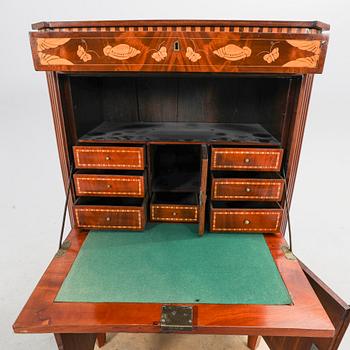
{"x":184,"y":182}
{"x":180,"y":131}
{"x":175,"y":198}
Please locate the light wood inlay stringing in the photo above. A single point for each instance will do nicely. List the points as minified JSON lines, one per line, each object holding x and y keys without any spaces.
{"x":111,"y":211}
{"x":110,"y":179}
{"x":275,"y":153}
{"x":122,"y":165}
{"x":233,"y":229}
{"x":174,"y":207}
{"x":248,"y":183}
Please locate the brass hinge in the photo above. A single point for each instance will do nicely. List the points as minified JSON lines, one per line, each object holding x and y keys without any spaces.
{"x":288,"y":253}
{"x":176,"y":318}
{"x":64,"y":247}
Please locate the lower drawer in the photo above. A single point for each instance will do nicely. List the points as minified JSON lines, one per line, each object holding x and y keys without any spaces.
{"x":174,"y":207}
{"x":114,"y":214}
{"x":259,"y":217}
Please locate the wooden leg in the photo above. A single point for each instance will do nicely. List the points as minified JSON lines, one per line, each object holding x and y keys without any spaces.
{"x":75,"y":341}
{"x":101,"y":339}
{"x":253,"y":341}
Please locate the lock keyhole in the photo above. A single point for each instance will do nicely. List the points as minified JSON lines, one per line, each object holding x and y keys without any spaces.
{"x":176,"y":46}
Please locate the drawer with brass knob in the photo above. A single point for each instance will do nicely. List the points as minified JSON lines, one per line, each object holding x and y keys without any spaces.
{"x":257,"y":186}
{"x":174,"y":207}
{"x":254,"y":217}
{"x":246,"y":159}
{"x":112,"y":213}
{"x":103,"y":185}
{"x":117,"y":157}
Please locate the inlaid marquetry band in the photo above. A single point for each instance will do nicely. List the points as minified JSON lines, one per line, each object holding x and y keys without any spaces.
{"x":111,"y":211}
{"x":112,"y":179}
{"x":206,"y":29}
{"x":239,"y":228}
{"x":268,"y":166}
{"x":249,"y":183}
{"x":139,"y":153}
{"x":173,"y":207}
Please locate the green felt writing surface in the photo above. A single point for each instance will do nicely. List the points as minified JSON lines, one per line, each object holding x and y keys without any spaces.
{"x":170,"y":263}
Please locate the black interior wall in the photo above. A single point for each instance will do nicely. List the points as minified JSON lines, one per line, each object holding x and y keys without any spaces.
{"x":179,"y":98}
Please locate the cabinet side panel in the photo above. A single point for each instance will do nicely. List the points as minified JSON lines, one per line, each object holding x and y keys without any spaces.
{"x":293,"y":149}
{"x":60,"y":131}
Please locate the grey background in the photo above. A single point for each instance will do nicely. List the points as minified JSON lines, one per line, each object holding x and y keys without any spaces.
{"x":31,"y":191}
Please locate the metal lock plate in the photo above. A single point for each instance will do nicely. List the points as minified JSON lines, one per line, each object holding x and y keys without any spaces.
{"x":176,"y":318}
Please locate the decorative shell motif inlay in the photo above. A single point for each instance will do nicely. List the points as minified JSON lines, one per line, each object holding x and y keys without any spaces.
{"x":313,"y":46}
{"x":51,"y":43}
{"x":120,"y":51}
{"x":233,"y":52}
{"x":160,"y":55}
{"x":192,"y":55}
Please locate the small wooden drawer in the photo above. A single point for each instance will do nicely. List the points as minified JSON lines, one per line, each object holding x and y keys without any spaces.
{"x":246,"y":159}
{"x":269,"y":188}
{"x":125,"y":158}
{"x":103,"y":214}
{"x":109,"y":185}
{"x":263,"y":218}
{"x":174,"y":207}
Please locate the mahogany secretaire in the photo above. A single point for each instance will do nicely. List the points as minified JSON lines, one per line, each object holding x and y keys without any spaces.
{"x":179,"y":144}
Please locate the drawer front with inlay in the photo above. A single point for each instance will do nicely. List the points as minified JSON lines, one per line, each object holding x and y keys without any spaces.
{"x":245,"y":220}
{"x":109,"y":185}
{"x":174,"y":213}
{"x":124,"y":158}
{"x":118,"y":218}
{"x":247,"y":189}
{"x":246,"y":159}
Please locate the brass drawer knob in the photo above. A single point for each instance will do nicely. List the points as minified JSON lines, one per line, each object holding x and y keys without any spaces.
{"x":248,"y":189}
{"x":108,"y":158}
{"x":109,"y":186}
{"x":108,"y":218}
{"x":246,"y":160}
{"x":246,"y":222}
{"x":174,"y":213}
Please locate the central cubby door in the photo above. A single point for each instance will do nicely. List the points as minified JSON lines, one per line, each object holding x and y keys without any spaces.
{"x":178,"y":181}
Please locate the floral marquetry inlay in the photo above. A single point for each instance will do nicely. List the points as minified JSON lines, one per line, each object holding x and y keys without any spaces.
{"x":47,"y":59}
{"x":313,"y":46}
{"x":138,"y":51}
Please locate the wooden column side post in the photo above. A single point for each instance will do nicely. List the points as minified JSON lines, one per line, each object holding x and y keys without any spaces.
{"x":296,"y":139}
{"x":61,"y":138}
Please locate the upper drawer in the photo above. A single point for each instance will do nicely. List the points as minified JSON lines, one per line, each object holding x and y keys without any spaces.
{"x":123,"y":158}
{"x":248,"y":159}
{"x":179,"y":50}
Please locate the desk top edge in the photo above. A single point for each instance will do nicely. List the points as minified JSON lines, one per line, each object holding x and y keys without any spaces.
{"x":43,"y":25}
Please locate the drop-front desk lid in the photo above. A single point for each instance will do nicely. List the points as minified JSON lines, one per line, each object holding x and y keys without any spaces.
{"x":293,"y":307}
